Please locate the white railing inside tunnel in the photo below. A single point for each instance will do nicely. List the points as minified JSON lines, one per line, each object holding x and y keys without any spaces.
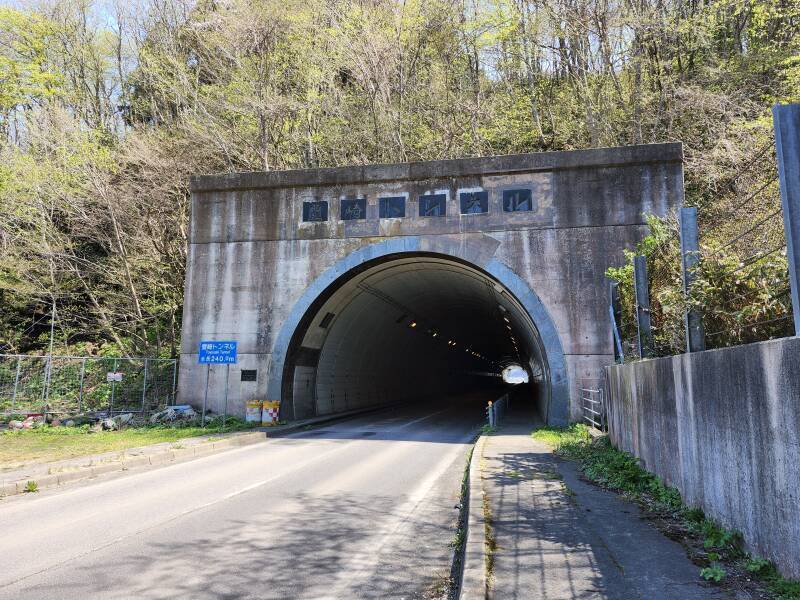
{"x":495,"y":411}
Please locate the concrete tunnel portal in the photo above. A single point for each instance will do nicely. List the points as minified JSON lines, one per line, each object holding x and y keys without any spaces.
{"x":410,"y":327}
{"x":333,"y":281}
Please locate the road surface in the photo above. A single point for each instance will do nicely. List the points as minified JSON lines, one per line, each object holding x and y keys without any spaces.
{"x":363,"y":508}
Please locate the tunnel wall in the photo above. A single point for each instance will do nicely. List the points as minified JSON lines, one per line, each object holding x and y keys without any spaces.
{"x":251,"y":258}
{"x":722,"y":426}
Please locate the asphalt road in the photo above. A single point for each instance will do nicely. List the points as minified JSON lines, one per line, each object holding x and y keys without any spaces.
{"x":363,"y":508}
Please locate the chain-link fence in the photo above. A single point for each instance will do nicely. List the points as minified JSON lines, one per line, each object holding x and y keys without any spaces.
{"x":77,"y":384}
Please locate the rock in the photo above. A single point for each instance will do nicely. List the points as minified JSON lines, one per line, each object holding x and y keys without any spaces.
{"x":165,"y":416}
{"x":108,"y":424}
{"x":14,"y":424}
{"x":55,"y":423}
{"x":69,"y":423}
{"x":96,"y":428}
{"x":123,"y":419}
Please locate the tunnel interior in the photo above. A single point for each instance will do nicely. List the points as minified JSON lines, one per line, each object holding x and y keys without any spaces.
{"x":411,"y":328}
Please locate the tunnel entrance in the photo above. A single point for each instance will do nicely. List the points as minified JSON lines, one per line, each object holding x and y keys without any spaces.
{"x":411,"y":327}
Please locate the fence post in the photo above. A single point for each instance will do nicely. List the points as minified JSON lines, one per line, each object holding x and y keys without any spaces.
{"x":144,"y":385}
{"x":113,"y":389}
{"x":80,"y":393}
{"x":615,"y":314}
{"x":690,"y":256}
{"x":16,"y":385}
{"x":786,"y":122}
{"x":643,"y":325}
{"x":174,"y":378}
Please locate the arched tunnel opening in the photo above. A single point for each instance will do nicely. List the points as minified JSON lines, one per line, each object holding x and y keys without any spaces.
{"x":412,"y":328}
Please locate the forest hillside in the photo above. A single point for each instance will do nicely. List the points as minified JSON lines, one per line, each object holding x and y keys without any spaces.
{"x":107,"y":108}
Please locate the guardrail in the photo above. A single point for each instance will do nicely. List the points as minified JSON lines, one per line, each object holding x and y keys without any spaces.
{"x":495,"y":411}
{"x":593,"y":407}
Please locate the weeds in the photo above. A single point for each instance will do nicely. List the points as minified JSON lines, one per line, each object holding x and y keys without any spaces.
{"x":763,"y":569}
{"x":31,"y":487}
{"x":713,"y":573}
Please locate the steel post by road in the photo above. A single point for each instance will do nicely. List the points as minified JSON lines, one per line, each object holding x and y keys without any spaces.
{"x":225,"y":407}
{"x":80,"y":392}
{"x":690,"y":257}
{"x":615,"y":314}
{"x":16,"y":385}
{"x":205,"y":398}
{"x":144,"y":385}
{"x":643,"y":325}
{"x":786,"y":121}
{"x":113,"y":389}
{"x":174,"y":379}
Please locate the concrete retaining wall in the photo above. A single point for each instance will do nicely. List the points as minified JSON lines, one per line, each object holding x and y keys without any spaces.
{"x":722,"y":426}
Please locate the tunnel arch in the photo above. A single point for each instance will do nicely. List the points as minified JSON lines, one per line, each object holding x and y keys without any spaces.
{"x":351,"y":332}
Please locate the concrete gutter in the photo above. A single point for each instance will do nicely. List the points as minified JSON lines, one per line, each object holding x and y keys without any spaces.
{"x":54,"y":474}
{"x":474,"y":582}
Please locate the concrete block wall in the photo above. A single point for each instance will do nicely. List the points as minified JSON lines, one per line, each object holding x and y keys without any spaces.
{"x":722,"y":426}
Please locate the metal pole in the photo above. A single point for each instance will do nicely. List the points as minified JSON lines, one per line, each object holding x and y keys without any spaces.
{"x":205,"y":398}
{"x":50,"y":356}
{"x":174,"y":379}
{"x":225,"y":409}
{"x":144,"y":384}
{"x":16,"y":385}
{"x":786,"y":121}
{"x":615,"y":314}
{"x":113,"y":389}
{"x":690,"y":256}
{"x":643,"y":325}
{"x":80,"y":394}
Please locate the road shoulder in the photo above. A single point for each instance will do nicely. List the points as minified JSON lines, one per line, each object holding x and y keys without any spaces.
{"x":47,"y":475}
{"x":554,"y":536}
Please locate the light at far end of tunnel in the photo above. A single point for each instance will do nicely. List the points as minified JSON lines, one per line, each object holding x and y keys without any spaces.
{"x":515,"y":374}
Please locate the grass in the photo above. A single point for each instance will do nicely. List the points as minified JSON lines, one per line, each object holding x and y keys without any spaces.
{"x":609,"y":467}
{"x":21,"y":447}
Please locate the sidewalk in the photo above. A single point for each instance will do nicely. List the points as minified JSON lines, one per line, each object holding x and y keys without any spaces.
{"x":559,"y":538}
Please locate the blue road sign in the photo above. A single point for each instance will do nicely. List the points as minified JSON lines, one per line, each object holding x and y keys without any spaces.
{"x":217,"y":353}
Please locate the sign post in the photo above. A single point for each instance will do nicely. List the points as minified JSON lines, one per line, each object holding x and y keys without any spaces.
{"x":214,"y":352}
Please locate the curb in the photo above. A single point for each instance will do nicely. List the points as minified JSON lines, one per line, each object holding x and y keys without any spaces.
{"x":473,"y":576}
{"x":167,"y":456}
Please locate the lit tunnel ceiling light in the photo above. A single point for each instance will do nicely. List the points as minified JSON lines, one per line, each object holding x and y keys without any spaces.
{"x":515,"y":374}
{"x":412,"y":324}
